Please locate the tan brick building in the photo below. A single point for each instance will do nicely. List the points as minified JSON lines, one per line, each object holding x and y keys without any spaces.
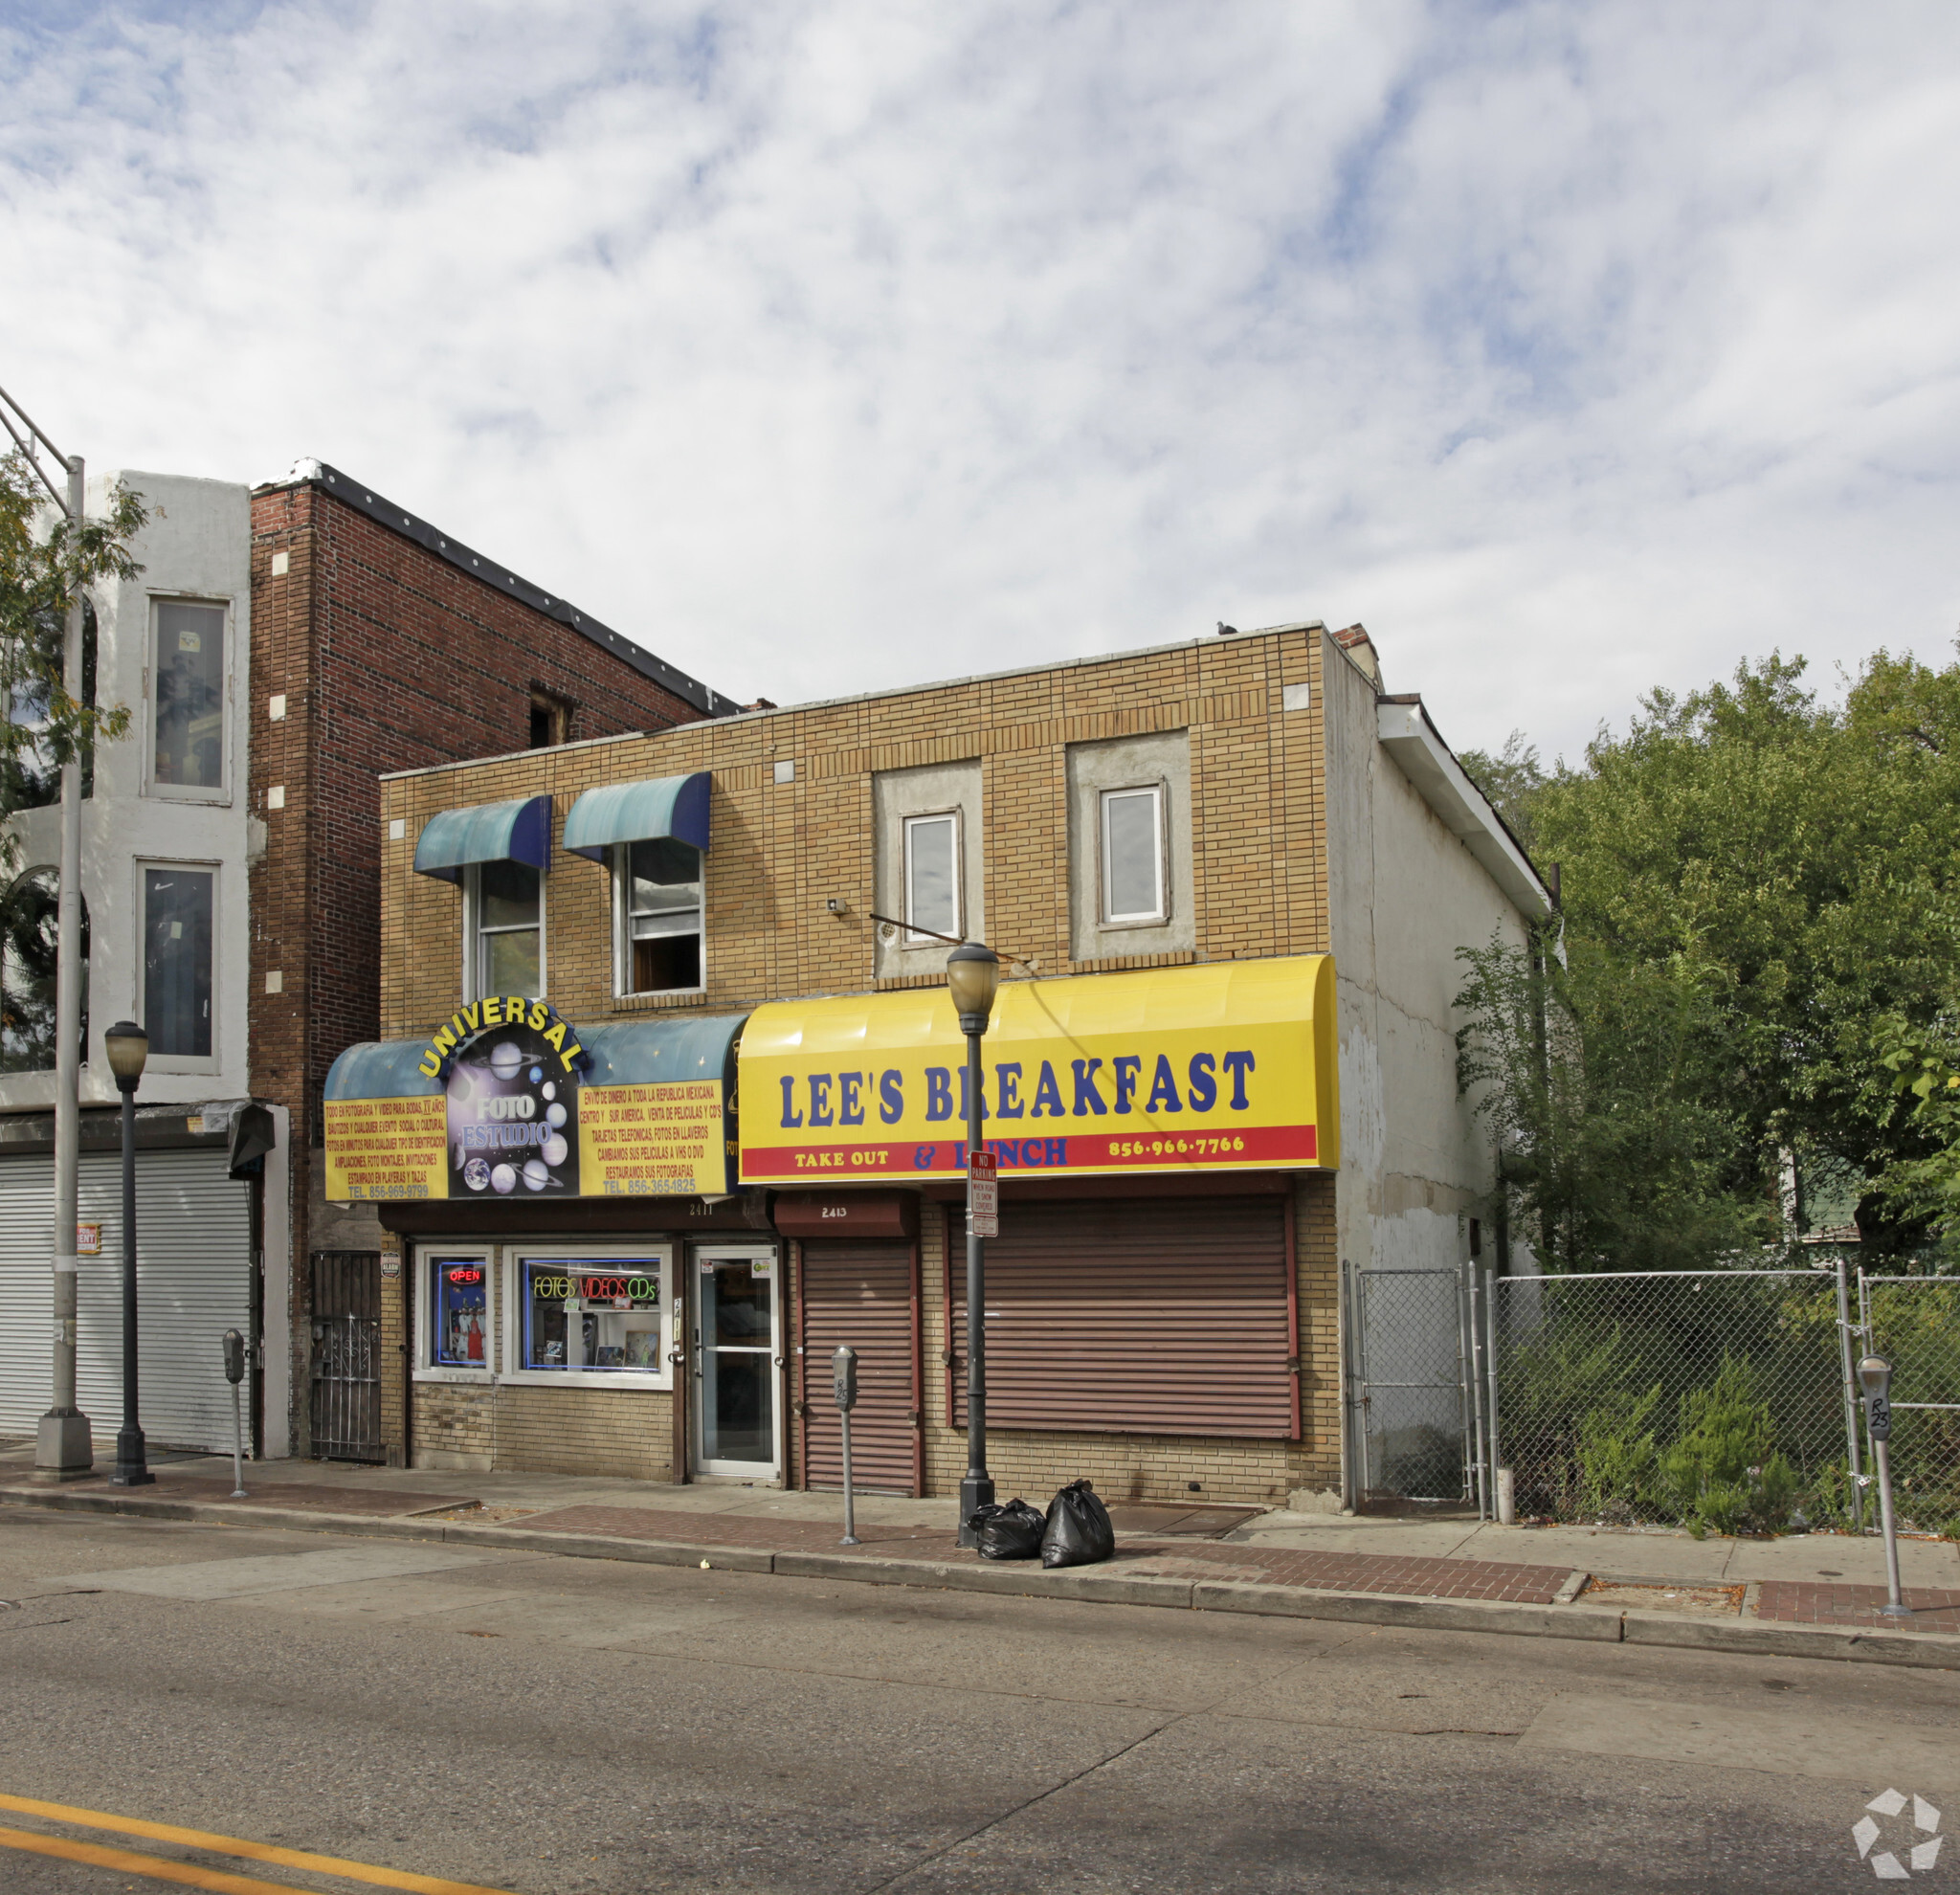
{"x":1168,"y":842}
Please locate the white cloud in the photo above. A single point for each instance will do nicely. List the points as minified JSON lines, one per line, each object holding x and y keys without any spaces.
{"x":824,"y":347}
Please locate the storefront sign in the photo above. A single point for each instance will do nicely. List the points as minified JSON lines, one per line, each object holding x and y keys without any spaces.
{"x":1228,"y":1067}
{"x":516,"y":1118}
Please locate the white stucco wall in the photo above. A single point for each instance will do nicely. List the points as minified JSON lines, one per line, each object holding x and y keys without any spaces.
{"x":197,"y":546}
{"x":1404,"y":893}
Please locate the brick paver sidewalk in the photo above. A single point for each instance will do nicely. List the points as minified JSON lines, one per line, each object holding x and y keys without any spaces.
{"x":1805,"y":1602}
{"x":1141,"y":1556}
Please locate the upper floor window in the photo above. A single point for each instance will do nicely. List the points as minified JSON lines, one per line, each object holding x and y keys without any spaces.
{"x":933,"y":876}
{"x":550,"y":720}
{"x":189,"y":667}
{"x":178,"y":906}
{"x":503,"y":930}
{"x":657,"y":916}
{"x":1133,"y":877}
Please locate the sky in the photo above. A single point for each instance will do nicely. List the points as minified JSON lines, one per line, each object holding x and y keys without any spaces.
{"x":1574,"y":349}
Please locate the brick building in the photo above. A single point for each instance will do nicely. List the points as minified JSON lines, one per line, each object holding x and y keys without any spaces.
{"x":650,"y":1004}
{"x":380,"y":643}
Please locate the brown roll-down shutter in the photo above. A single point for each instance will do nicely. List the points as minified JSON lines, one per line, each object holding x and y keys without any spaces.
{"x":1166,"y":1316}
{"x":861,"y":1295}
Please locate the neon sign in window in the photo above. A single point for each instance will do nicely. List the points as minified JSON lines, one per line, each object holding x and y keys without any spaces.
{"x":459,"y":1313}
{"x":593,"y":1316}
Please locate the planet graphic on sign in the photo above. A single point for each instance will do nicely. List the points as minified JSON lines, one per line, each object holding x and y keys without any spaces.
{"x":549,"y":1089}
{"x":555,"y":1150}
{"x":477,"y":1174}
{"x":504,"y":1059}
{"x":503,"y":1179}
{"x":554,"y":1115}
{"x":536,"y":1174}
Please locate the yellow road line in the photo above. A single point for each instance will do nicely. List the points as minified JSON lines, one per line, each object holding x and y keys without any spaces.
{"x":221,"y":1845}
{"x":125,"y":1861}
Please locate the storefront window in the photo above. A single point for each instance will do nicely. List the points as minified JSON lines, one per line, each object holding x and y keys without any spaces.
{"x":599,"y":1315}
{"x":458,"y":1312}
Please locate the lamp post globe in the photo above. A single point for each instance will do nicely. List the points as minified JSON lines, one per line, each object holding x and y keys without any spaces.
{"x":973,"y":976}
{"x":127,"y":1048}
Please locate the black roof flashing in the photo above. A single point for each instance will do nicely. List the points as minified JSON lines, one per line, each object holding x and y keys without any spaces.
{"x":384,"y":512}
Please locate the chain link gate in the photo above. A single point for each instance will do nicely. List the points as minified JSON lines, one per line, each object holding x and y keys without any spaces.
{"x":1409,"y":1381}
{"x":346,"y":1356}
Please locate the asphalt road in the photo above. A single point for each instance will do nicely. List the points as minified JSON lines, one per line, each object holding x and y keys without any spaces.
{"x":543,"y":1725}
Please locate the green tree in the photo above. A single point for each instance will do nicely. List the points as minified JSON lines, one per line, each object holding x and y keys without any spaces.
{"x":1604,"y":1083}
{"x":47,"y":563}
{"x":1795,"y":862}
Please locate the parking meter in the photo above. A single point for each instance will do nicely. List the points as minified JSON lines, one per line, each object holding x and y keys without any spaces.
{"x":234,"y":1373}
{"x":1875,"y":1378}
{"x":844,"y":1386}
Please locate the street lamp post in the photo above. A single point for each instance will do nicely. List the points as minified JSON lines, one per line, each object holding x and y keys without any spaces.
{"x":973,"y":973}
{"x":128,"y":1047}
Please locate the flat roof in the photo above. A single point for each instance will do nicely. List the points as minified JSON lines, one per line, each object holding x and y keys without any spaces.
{"x":384,"y":512}
{"x":896,"y":691}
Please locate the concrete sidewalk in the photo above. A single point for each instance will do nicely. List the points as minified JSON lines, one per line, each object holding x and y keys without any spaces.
{"x":1812,"y":1595}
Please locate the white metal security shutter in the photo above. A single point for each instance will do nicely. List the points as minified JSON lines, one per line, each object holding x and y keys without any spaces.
{"x":193,"y":1282}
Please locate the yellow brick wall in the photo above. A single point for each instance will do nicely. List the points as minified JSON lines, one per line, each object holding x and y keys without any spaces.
{"x":780,"y":851}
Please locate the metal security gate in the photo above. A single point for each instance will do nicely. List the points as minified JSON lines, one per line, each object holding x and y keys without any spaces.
{"x":1409,"y":1385}
{"x":195,"y":1280}
{"x":346,"y":1355}
{"x":862,"y":1295}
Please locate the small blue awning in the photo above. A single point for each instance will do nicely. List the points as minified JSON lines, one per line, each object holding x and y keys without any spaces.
{"x":662,"y":806}
{"x":513,"y":832}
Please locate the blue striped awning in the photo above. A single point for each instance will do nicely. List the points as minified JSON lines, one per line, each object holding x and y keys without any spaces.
{"x":513,"y":832}
{"x":662,"y":805}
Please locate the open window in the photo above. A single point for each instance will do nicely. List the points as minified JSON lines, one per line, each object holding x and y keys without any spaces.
{"x":656,"y":892}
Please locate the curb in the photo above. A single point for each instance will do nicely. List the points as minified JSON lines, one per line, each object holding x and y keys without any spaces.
{"x":1928,"y":1650}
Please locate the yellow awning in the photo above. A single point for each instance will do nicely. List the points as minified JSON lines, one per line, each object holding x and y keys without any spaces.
{"x":1228,"y":1066}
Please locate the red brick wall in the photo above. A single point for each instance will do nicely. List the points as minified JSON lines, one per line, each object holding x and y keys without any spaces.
{"x":389,"y":658}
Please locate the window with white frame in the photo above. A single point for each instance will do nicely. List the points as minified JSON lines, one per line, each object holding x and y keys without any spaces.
{"x":179,"y":905}
{"x":1135,"y":887}
{"x":597,"y":1315}
{"x":187,"y":728}
{"x":933,"y":876}
{"x":657,"y":920}
{"x":503,"y":930}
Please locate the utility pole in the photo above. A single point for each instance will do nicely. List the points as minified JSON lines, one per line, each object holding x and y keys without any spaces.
{"x":62,"y":1446}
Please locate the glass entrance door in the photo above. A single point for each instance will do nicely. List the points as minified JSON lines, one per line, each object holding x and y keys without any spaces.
{"x":736,"y":1351}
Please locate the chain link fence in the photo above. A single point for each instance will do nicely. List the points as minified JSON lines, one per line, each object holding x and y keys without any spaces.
{"x":1710,"y":1400}
{"x":1914,"y":1323}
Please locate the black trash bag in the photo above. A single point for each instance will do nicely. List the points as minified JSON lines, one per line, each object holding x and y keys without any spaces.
{"x":1012,"y":1531}
{"x":1078,"y":1531}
